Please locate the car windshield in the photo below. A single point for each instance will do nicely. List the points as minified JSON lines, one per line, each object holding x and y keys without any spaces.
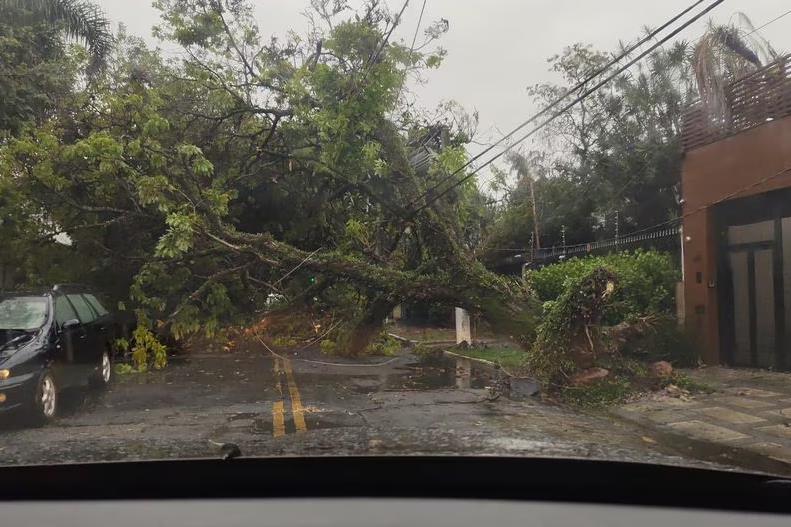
{"x":305,"y":227}
{"x":22,"y":313}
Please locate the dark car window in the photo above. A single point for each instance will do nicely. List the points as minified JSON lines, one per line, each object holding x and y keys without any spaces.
{"x":63,"y":310}
{"x":23,"y":312}
{"x":84,"y":311}
{"x":96,"y":305}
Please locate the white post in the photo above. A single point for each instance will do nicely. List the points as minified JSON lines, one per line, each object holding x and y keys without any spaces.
{"x":463,"y":374}
{"x":463,"y":333}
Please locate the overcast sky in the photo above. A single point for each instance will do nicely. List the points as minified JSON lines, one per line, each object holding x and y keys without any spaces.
{"x":496,"y":48}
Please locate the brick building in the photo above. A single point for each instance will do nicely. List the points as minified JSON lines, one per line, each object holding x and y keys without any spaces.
{"x":736,"y":187}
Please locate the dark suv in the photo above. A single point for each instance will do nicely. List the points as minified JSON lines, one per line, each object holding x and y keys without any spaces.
{"x":50,"y":340}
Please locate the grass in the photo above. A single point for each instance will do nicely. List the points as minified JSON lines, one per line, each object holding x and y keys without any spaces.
{"x":428,"y":334}
{"x":683,"y":381}
{"x":505,"y":356}
{"x":607,"y":392}
{"x":628,"y":378}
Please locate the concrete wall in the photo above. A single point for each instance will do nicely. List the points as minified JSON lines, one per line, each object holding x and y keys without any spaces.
{"x":736,"y":167}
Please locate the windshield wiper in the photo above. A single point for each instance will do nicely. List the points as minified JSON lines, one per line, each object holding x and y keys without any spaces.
{"x":15,"y":340}
{"x":228,"y":450}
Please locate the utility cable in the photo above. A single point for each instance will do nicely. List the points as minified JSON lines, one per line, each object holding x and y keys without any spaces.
{"x":558,"y":101}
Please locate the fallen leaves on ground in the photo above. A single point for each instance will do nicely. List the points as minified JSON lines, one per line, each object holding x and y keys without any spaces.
{"x":679,"y":393}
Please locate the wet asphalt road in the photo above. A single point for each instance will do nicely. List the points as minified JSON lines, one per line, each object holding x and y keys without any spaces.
{"x":290,"y":406}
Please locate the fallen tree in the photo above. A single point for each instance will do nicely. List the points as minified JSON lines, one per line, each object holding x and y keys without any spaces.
{"x":257,"y":167}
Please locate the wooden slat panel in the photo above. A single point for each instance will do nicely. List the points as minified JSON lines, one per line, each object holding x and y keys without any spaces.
{"x":760,"y":97}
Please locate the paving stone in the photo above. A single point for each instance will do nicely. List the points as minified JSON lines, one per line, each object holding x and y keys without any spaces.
{"x":778,"y":430}
{"x":780,"y":412}
{"x":731,"y":416}
{"x":642,"y":407}
{"x":744,"y":402}
{"x":774,"y":450}
{"x":666,"y":416}
{"x":752,"y":392}
{"x":659,"y":403}
{"x":708,"y":432}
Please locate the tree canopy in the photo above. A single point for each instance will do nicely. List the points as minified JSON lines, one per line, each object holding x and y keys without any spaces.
{"x":616,"y":157}
{"x":200,"y":186}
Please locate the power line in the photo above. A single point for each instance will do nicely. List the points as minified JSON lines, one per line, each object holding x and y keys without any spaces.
{"x":387,"y":36}
{"x":417,"y":29}
{"x":412,"y":49}
{"x":775,"y":19}
{"x":565,"y":108}
{"x":755,"y":29}
{"x":560,"y":99}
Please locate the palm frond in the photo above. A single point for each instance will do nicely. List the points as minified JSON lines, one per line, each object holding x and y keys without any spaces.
{"x":81,"y":20}
{"x":724,"y":54}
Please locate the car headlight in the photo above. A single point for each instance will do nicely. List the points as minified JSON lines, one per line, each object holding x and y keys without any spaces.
{"x":5,"y":374}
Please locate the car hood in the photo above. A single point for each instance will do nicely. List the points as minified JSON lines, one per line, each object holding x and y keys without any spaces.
{"x":9,"y":348}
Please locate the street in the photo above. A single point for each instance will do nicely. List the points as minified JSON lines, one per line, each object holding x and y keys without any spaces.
{"x":272,"y":406}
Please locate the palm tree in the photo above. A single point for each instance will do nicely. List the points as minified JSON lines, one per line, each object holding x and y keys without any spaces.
{"x":80,"y":20}
{"x":522,"y":165}
{"x":724,"y":54}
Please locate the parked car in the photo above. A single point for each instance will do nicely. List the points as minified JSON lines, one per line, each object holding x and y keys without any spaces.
{"x":51,"y":340}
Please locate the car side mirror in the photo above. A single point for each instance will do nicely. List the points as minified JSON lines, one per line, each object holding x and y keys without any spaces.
{"x":70,"y":324}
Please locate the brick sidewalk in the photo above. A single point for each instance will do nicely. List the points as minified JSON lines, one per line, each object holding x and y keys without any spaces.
{"x":747,"y":420}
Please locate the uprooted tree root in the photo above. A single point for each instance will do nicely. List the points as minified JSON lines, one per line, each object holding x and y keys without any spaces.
{"x":587,"y":364}
{"x":567,"y":340}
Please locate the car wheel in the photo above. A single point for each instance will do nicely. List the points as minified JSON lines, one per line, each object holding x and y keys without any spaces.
{"x":45,"y":401}
{"x":104,"y":374}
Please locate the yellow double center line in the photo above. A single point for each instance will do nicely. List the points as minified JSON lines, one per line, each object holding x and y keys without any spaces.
{"x":278,"y":407}
{"x":278,"y":421}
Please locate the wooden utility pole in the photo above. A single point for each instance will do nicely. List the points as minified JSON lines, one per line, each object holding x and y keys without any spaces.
{"x":535,"y":213}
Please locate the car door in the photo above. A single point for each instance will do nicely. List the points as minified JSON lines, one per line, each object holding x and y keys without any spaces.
{"x":105,"y":323}
{"x":87,"y":355}
{"x":65,"y":367}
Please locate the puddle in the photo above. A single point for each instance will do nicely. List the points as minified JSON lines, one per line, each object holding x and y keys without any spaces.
{"x":444,"y":373}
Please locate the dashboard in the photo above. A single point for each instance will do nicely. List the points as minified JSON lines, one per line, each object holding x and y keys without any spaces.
{"x":389,"y":491}
{"x":367,"y":513}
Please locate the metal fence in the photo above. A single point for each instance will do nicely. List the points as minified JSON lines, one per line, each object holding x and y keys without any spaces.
{"x":666,"y":238}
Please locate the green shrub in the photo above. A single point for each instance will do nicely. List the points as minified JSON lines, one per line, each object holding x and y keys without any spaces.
{"x":328,"y":347}
{"x":384,"y":345}
{"x":284,"y":342}
{"x":147,"y":350}
{"x":646,"y":282}
{"x":425,"y":353}
{"x":665,"y":341}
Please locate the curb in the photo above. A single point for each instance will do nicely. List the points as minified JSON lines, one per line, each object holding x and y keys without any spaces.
{"x":734,"y":456}
{"x":483,"y":362}
{"x":410,"y":342}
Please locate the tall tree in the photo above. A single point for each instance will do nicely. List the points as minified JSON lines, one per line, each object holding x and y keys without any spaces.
{"x":616,"y":157}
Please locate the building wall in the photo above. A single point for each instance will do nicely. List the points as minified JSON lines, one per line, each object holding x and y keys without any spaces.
{"x":736,"y":167}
